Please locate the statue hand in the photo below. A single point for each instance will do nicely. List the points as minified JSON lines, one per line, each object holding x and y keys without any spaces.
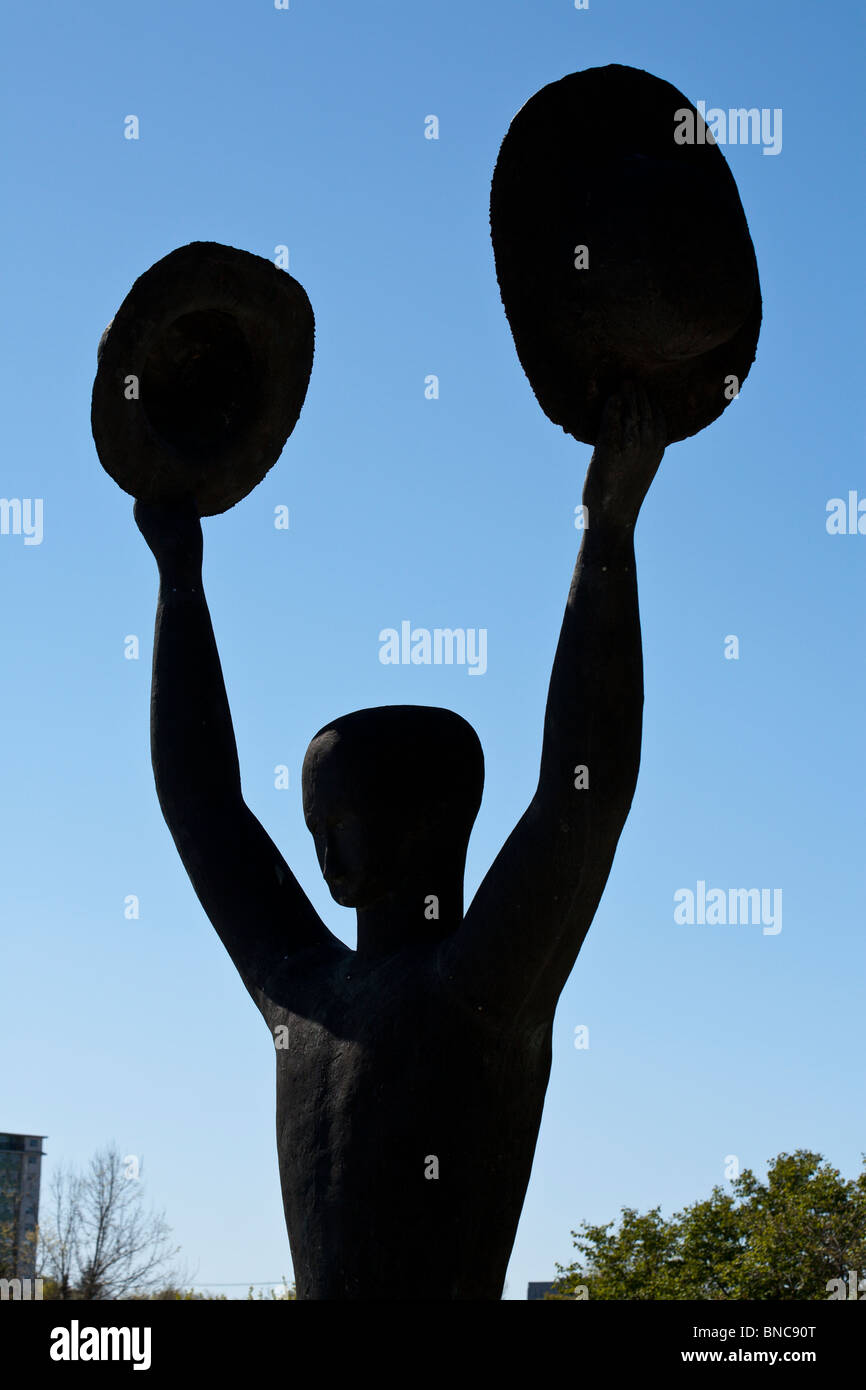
{"x":628,"y":451}
{"x":173,"y":532}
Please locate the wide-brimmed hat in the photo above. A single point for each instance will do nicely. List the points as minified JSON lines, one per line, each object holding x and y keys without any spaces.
{"x":201,"y":376}
{"x":622,"y":251}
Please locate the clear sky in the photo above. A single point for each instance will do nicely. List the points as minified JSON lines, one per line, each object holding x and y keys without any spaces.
{"x":305,"y":127}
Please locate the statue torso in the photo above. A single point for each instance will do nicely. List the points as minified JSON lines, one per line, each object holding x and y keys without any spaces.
{"x":407,"y":1117}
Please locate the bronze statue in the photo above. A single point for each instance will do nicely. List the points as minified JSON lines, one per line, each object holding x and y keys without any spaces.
{"x":411,"y":1071}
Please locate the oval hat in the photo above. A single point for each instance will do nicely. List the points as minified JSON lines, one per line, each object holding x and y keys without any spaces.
{"x":622,"y":251}
{"x":201,"y":376}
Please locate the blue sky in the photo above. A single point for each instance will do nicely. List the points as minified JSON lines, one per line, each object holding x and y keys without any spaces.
{"x":305,"y":127}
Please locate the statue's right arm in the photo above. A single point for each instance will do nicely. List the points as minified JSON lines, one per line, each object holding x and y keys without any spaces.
{"x":258,"y":908}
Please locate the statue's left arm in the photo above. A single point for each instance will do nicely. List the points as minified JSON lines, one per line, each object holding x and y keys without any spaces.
{"x":526,"y":924}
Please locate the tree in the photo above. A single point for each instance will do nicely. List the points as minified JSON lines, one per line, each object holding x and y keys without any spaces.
{"x":785,"y":1238}
{"x":57,"y":1235}
{"x":8,"y":1252}
{"x":17,"y":1250}
{"x":98,"y":1242}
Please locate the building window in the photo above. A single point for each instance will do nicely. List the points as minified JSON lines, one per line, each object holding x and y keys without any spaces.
{"x":31,"y":1159}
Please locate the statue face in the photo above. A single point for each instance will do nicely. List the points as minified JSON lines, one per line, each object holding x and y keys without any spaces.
{"x":348,"y":867}
{"x":359,"y":862}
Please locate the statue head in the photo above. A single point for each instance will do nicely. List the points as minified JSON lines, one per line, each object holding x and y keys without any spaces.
{"x":390,"y":797}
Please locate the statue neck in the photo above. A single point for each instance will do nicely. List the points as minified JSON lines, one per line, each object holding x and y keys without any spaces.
{"x":426,"y":910}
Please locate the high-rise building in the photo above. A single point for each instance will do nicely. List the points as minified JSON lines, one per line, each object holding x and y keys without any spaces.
{"x":20,"y":1176}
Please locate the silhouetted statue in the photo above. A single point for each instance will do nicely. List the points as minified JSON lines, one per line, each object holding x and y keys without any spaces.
{"x":411,"y":1071}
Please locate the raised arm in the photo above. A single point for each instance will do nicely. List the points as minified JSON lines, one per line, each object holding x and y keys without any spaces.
{"x":242,"y":881}
{"x":530,"y":915}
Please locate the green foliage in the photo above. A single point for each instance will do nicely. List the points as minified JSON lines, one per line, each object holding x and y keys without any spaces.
{"x":172,"y":1295}
{"x":189,"y":1295}
{"x":273,"y":1295}
{"x":780,"y":1239}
